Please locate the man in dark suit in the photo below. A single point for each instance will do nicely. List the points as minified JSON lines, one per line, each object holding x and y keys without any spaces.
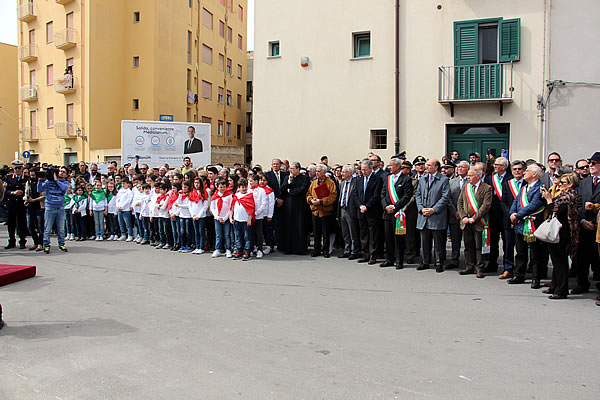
{"x":510,"y":191}
{"x":413,"y":239}
{"x":366,"y":198}
{"x":379,"y":171}
{"x":455,"y":187}
{"x":497,"y":181}
{"x":17,"y":221}
{"x":527,"y":213}
{"x":432,"y":221}
{"x":348,"y":214}
{"x":193,"y":144}
{"x":275,"y":178}
{"x":587,"y":251}
{"x":397,"y":192}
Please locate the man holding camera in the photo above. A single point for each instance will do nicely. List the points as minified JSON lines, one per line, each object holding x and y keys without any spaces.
{"x":17,"y":220}
{"x":55,"y":187}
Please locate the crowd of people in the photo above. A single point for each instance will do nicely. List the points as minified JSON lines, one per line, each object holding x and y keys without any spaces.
{"x":398,"y":213}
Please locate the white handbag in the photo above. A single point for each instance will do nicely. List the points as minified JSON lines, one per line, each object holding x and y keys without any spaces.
{"x":548,"y":231}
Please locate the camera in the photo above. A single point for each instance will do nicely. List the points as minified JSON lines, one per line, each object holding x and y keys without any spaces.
{"x":51,"y":172}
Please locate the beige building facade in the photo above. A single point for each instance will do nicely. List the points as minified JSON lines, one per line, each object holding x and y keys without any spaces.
{"x":9,"y":124}
{"x":85,"y":66}
{"x":469,"y":76}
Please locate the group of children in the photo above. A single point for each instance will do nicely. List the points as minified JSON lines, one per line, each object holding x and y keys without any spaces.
{"x":176,"y":214}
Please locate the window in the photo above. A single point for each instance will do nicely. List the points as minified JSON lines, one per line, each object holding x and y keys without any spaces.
{"x":50,"y":74}
{"x":239,"y":71}
{"x":240,"y":42}
{"x":228,"y":133}
{"x":136,"y":61}
{"x":206,"y":54}
{"x":206,"y":120}
{"x":190,"y":3}
{"x":229,"y":34}
{"x":487,"y":41}
{"x":362,"y":44}
{"x":189,"y":47}
{"x":50,"y":117}
{"x":206,"y":90}
{"x":220,"y":128}
{"x":241,"y":13}
{"x":70,"y":62}
{"x":136,"y":104}
{"x":220,"y":95}
{"x":221,"y":62}
{"x":248,"y":90}
{"x":32,"y":77}
{"x":239,"y":101}
{"x":229,"y":99}
{"x":378,"y":139}
{"x":136,"y":16}
{"x":239,"y":131}
{"x":248,"y":122}
{"x":70,"y":112}
{"x":229,"y":62}
{"x":50,"y":32}
{"x":230,"y":5}
{"x":274,"y":49}
{"x":70,"y":19}
{"x":188,"y":79}
{"x":222,"y":29}
{"x":207,"y":19}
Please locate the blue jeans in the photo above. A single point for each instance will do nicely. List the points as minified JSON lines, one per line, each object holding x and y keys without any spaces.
{"x":139,"y":223}
{"x":51,"y":216}
{"x":112,"y":224}
{"x":175,"y":230}
{"x":222,"y":233}
{"x":125,"y":222}
{"x":99,"y":223}
{"x":164,"y":230}
{"x":186,"y":231}
{"x":69,"y":222}
{"x":147,"y":228}
{"x":243,"y":238}
{"x":199,"y":232}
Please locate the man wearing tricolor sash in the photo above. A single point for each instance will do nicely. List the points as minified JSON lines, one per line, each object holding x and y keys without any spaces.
{"x":397,"y":192}
{"x":474,"y":204}
{"x":526,"y":213}
{"x":497,"y":180}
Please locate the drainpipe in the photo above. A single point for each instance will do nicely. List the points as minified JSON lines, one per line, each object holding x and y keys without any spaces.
{"x":397,"y":80}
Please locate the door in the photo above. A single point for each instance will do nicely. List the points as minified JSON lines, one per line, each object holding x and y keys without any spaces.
{"x":70,"y":158}
{"x":481,"y":138}
{"x":33,"y":123}
{"x":70,"y":125}
{"x":32,"y":77}
{"x":70,"y":20}
{"x":31,"y":38}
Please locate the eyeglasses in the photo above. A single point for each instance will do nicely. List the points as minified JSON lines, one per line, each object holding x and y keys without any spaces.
{"x":553,"y":159}
{"x":18,"y":167}
{"x":564,"y":182}
{"x":517,"y":168}
{"x":584,"y":167}
{"x":556,"y":176}
{"x":593,"y":163}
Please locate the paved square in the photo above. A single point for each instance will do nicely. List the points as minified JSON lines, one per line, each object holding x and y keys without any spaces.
{"x":113,"y":320}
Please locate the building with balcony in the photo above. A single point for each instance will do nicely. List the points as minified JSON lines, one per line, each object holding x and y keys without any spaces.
{"x":9,"y":98}
{"x":470,"y":76}
{"x":89,"y":65}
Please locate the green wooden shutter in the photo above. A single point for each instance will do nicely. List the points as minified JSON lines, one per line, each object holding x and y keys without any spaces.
{"x":466,"y":43}
{"x":510,"y":39}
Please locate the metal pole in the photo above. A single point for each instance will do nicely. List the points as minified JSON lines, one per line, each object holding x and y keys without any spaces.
{"x":397,"y":81}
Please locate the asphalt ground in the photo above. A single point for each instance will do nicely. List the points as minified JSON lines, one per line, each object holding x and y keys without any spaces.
{"x":114,"y":320}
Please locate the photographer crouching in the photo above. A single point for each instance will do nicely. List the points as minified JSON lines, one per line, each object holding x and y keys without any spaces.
{"x":55,"y":187}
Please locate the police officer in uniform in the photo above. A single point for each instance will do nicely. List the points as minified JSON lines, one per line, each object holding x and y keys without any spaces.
{"x":17,"y":220}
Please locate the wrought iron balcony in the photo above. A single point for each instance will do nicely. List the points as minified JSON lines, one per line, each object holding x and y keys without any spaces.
{"x":475,"y":83}
{"x":64,"y":84}
{"x":26,"y":12}
{"x":28,"y":53}
{"x":28,"y":93}
{"x":65,"y":39}
{"x":30,"y":133}
{"x":65,"y":130}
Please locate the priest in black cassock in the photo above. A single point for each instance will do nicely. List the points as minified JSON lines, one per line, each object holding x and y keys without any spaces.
{"x":293,"y":238}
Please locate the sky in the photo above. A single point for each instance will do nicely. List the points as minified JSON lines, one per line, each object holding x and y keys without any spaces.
{"x":9,"y":33}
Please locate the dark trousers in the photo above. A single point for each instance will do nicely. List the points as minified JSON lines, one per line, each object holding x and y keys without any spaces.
{"x":560,"y":272}
{"x":496,"y":232}
{"x":112,"y":224}
{"x":35,"y":223}
{"x":80,"y":225}
{"x":539,"y":255}
{"x":587,"y":255}
{"x":321,"y":234}
{"x":350,"y":232}
{"x":147,"y":228}
{"x":473,"y":243}
{"x":369,"y":236}
{"x":394,"y":244}
{"x":257,"y":233}
{"x":456,"y":235}
{"x":413,"y":237}
{"x":509,"y":249}
{"x":89,"y":224}
{"x":163,"y":226}
{"x":268,"y":233}
{"x":17,"y":222}
{"x":438,"y":237}
{"x":210,"y":231}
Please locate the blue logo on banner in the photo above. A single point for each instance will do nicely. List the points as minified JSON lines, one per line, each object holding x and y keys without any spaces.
{"x":170,"y":141}
{"x":139,"y":140}
{"x":155,"y":140}
{"x":26,"y":154}
{"x":166,"y":117}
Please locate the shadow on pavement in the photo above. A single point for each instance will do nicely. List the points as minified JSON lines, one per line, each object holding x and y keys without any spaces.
{"x":93,"y":327}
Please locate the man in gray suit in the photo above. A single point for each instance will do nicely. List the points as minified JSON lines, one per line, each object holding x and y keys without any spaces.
{"x":455,"y":186}
{"x":348,"y":215}
{"x":432,"y":221}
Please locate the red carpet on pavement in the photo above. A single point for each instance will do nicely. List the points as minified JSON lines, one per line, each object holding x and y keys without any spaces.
{"x":15,"y":273}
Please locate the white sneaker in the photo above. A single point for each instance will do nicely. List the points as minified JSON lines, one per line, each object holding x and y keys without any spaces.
{"x":100,"y":238}
{"x":110,"y":237}
{"x":259,"y":254}
{"x":216,"y":254}
{"x":123,"y":237}
{"x":228,"y":254}
{"x":129,"y":239}
{"x":195,"y":251}
{"x":267,"y":250}
{"x":200,"y":251}
{"x":92,"y":237}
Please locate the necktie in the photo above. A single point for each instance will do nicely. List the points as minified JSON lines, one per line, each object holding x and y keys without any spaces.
{"x":345,"y":194}
{"x":430,"y":180}
{"x":596,"y":180}
{"x":519,"y":184}
{"x":365,"y":186}
{"x":278,"y":179}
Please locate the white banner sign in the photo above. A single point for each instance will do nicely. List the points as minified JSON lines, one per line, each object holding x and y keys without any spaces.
{"x":159,"y":143}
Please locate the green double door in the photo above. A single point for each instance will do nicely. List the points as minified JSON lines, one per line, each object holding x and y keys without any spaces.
{"x":467,"y":139}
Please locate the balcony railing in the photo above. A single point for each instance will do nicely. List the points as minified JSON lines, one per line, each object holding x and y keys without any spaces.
{"x":28,"y":53}
{"x":26,"y":12}
{"x":65,"y":39}
{"x":475,"y":83}
{"x":30,"y":133}
{"x":28,"y":93}
{"x":65,"y":130}
{"x":63,"y":2}
{"x":64,"y":84}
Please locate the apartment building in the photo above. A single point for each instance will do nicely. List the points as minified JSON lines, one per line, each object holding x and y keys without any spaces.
{"x":9,"y":126}
{"x":85,"y":66}
{"x":345,"y":78}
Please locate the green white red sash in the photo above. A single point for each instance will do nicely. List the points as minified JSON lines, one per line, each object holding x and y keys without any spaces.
{"x":400,"y":215}
{"x":514,"y":188}
{"x":529,"y":225}
{"x":497,"y":182}
{"x":485,"y":235}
